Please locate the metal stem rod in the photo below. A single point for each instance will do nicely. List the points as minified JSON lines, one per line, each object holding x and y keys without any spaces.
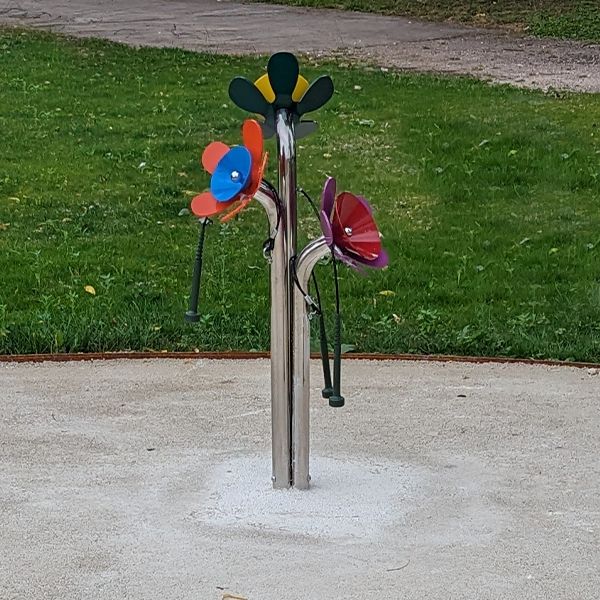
{"x":280,"y":410}
{"x":305,"y":263}
{"x":280,"y":413}
{"x":281,"y":305}
{"x":272,"y":207}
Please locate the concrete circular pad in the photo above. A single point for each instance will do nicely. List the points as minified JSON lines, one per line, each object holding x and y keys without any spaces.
{"x":150,"y":480}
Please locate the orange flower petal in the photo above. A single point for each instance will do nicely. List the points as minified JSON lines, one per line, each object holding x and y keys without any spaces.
{"x":206,"y":205}
{"x":253,"y":139}
{"x":237,"y":209}
{"x":258,"y":169}
{"x":212,"y":154}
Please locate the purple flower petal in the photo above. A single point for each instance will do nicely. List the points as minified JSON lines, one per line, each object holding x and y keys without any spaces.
{"x":328,"y":196}
{"x":377,"y":263}
{"x":360,"y":264}
{"x":326,"y":229}
{"x":345,"y":259}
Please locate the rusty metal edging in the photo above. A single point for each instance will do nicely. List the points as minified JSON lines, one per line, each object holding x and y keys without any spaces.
{"x":38,"y":358}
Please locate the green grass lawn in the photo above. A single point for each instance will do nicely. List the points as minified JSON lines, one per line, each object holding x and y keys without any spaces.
{"x":578,"y":19}
{"x":488,"y":198}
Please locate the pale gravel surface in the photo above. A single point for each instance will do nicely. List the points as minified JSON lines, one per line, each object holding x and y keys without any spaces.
{"x":392,"y":42}
{"x":149,"y":480}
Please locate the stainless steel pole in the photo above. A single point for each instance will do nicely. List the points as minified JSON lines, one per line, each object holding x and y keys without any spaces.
{"x":305,"y":263}
{"x":281,"y":305}
{"x":280,"y":415}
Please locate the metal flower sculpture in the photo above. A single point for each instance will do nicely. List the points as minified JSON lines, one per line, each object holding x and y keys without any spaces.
{"x":349,"y":229}
{"x":236,"y":174}
{"x":282,"y":87}
{"x":281,"y":98}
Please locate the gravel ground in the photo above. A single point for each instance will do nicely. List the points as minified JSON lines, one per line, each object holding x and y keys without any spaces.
{"x":231,"y":27}
{"x":149,"y":480}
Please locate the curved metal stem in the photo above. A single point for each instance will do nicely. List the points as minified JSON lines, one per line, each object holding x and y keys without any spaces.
{"x":305,"y":263}
{"x":280,"y":410}
{"x":272,"y":207}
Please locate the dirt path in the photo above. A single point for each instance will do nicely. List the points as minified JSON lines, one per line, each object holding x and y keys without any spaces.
{"x":233,"y":27}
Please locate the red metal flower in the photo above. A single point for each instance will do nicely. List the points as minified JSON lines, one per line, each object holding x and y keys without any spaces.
{"x":350,"y":230}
